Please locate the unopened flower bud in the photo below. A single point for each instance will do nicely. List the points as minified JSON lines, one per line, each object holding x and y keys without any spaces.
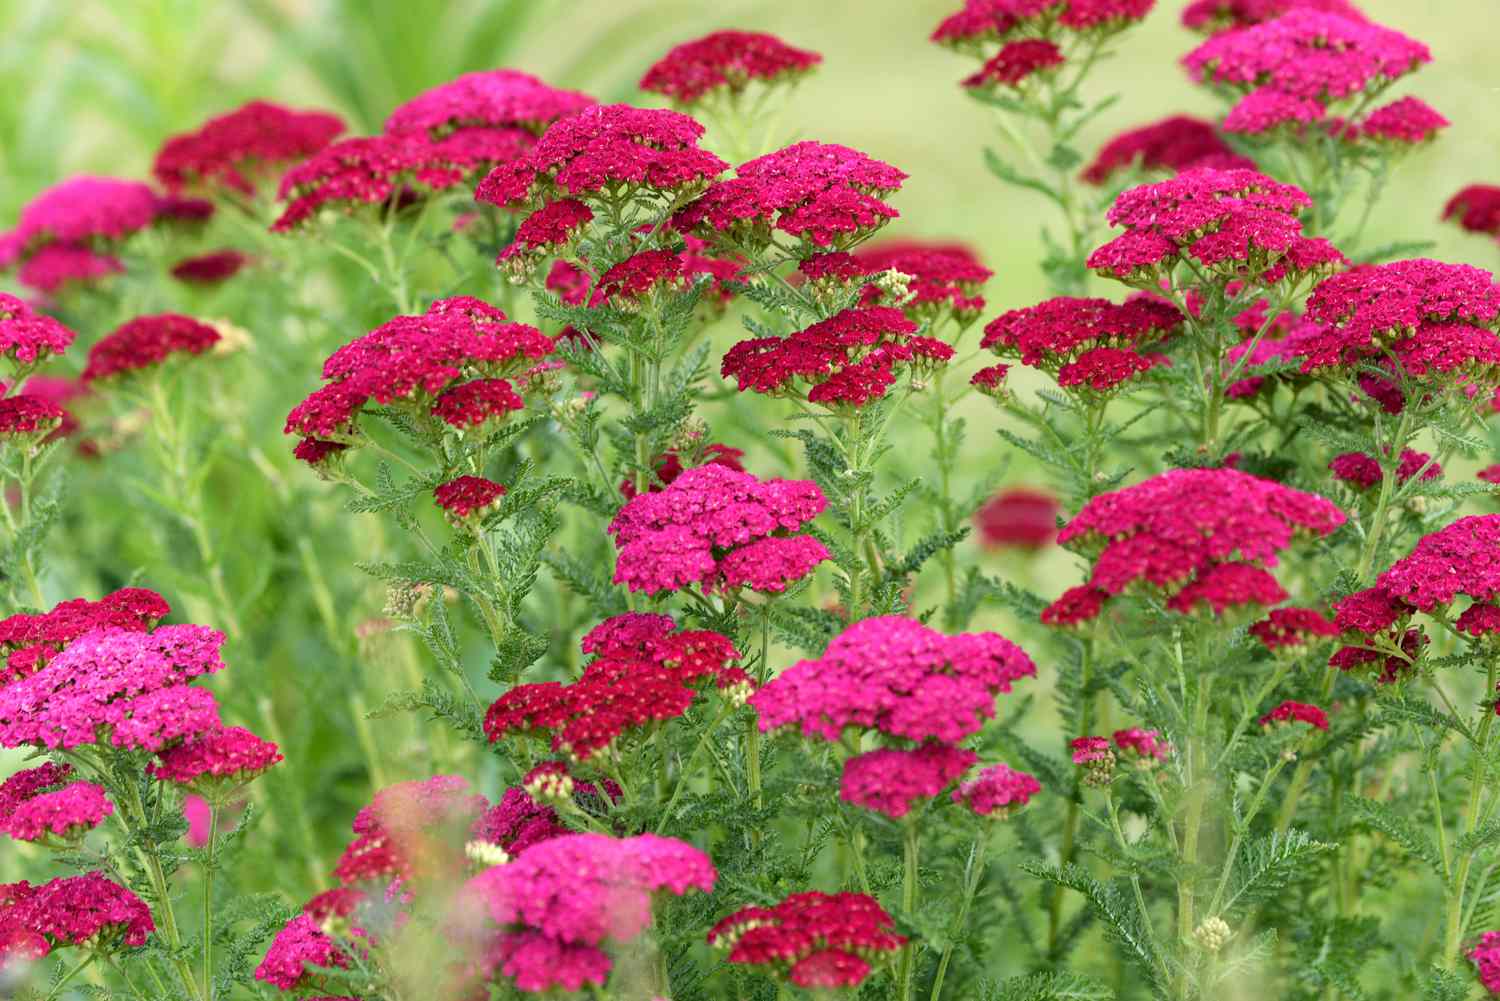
{"x":1212,"y":935}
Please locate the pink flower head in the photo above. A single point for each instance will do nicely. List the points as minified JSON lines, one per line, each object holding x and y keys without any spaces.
{"x":1269,"y":109}
{"x":412,"y":833}
{"x":564,"y":899}
{"x":384,"y":169}
{"x":1170,"y":145}
{"x":1091,"y":750}
{"x":812,"y":939}
{"x":847,"y":360}
{"x":546,"y":231}
{"x":1292,"y":628}
{"x":1408,"y":122}
{"x":726,"y":61}
{"x":239,"y":150}
{"x":943,"y":279}
{"x":1021,"y":517}
{"x":1477,"y":209}
{"x":57,"y":266}
{"x":687,"y":533}
{"x":199,"y":815}
{"x":1197,"y":534}
{"x":998,"y":791}
{"x":480,"y":403}
{"x":773,"y":563}
{"x":890,"y":781}
{"x":1059,"y":334}
{"x":895,"y":675}
{"x":1308,"y":54}
{"x":826,"y":196}
{"x":28,"y":338}
{"x":30,"y":641}
{"x":652,"y":153}
{"x":1486,"y":957}
{"x":226,"y":756}
{"x":1142,"y":746}
{"x":1075,"y":606}
{"x":62,"y":814}
{"x":990,"y":380}
{"x":93,"y":211}
{"x":639,"y":275}
{"x":131,"y":686}
{"x":211,"y":268}
{"x":491,"y":99}
{"x":517,"y":822}
{"x":1458,"y":559}
{"x":295,"y":954}
{"x":418,"y":358}
{"x":980,"y":22}
{"x":1296,"y":712}
{"x":145,"y":342}
{"x":1015,"y":63}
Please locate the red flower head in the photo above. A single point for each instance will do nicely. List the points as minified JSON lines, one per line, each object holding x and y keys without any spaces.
{"x":826,"y":196}
{"x":1406,"y":122}
{"x":1015,"y":63}
{"x":1020,"y":517}
{"x":30,"y":415}
{"x":75,"y":911}
{"x":998,"y":792}
{"x":477,"y":404}
{"x":1477,"y":209}
{"x":653,"y":154}
{"x":210,"y":269}
{"x":216,"y":761}
{"x":984,"y":22}
{"x":1145,"y":747}
{"x":1197,"y":535}
{"x":468,"y":496}
{"x":1296,"y":712}
{"x":239,"y":150}
{"x":1486,"y":957}
{"x":726,"y":61}
{"x":942,"y":279}
{"x":890,"y":781}
{"x":815,"y":940}
{"x":847,"y":360}
{"x":1362,"y":471}
{"x":296,"y":952}
{"x":894,"y":675}
{"x":56,"y":815}
{"x":1090,"y":344}
{"x":145,"y":342}
{"x":626,"y":284}
{"x":1170,"y":145}
{"x":1292,"y":628}
{"x":546,"y":231}
{"x":990,"y":381}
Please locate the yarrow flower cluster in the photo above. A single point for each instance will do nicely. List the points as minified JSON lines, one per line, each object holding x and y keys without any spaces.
{"x":90,"y":214}
{"x":1476,"y":209}
{"x":1429,"y":324}
{"x":940,"y":281}
{"x":1296,"y":712}
{"x":87,"y":910}
{"x":1193,"y":536}
{"x":45,"y":804}
{"x":412,"y":833}
{"x":217,"y":761}
{"x":997,"y":791}
{"x":824,"y":196}
{"x":984,"y":22}
{"x":847,"y":360}
{"x":1171,"y":145}
{"x":726,"y":62}
{"x":241,"y":150}
{"x":468,"y":496}
{"x":29,"y":338}
{"x":1238,"y":224}
{"x":502,"y":99}
{"x":1021,"y":518}
{"x":29,"y":641}
{"x":1015,"y":64}
{"x":1085,"y":344}
{"x":427,"y":364}
{"x":1292,"y":68}
{"x":211,"y":268}
{"x":146,"y":342}
{"x":549,"y":915}
{"x":814,"y":940}
{"x":645,"y":671}
{"x":719,"y":529}
{"x":1361,"y":471}
{"x":1293,"y":629}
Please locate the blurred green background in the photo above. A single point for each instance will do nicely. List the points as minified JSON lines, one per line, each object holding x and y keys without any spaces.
{"x":95,"y":86}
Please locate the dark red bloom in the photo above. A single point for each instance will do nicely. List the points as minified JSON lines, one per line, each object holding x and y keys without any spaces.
{"x":640,"y":274}
{"x":726,"y":60}
{"x":467,"y":496}
{"x":1296,"y":712}
{"x":240,"y":149}
{"x":1172,"y":144}
{"x":1015,"y":63}
{"x":29,"y":415}
{"x":473,"y":404}
{"x":943,"y":279}
{"x":1020,"y":517}
{"x":145,"y":342}
{"x":1292,"y":627}
{"x":210,"y":269}
{"x":1477,"y":209}
{"x":813,"y":939}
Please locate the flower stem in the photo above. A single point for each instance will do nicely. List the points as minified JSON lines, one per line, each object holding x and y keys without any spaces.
{"x":973,"y":876}
{"x":911,"y":844}
{"x":152,"y":860}
{"x":210,"y":864}
{"x":1453,"y":939}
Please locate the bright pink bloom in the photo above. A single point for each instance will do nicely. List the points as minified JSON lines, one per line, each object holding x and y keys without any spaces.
{"x":28,"y":337}
{"x":1408,"y":121}
{"x":78,"y":909}
{"x":1479,"y":620}
{"x":490,"y":99}
{"x":226,"y":754}
{"x":1267,"y":109}
{"x":726,"y":60}
{"x":1214,"y":16}
{"x":998,"y":791}
{"x":56,"y":266}
{"x":545,"y":231}
{"x":1362,"y":471}
{"x":895,"y":675}
{"x":298,"y":948}
{"x":80,"y":210}
{"x":1486,"y":956}
{"x":890,"y":781}
{"x":1075,"y":606}
{"x":1057,"y":332}
{"x":1144,"y":745}
{"x":1091,"y":750}
{"x":64,"y":813}
{"x":772,"y":564}
{"x":1458,"y":559}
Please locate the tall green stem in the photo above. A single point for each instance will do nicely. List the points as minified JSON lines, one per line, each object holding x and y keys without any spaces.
{"x":911,"y":843}
{"x":973,"y":876}
{"x":1453,"y":938}
{"x":168,"y":917}
{"x":210,"y":864}
{"x":1197,"y":784}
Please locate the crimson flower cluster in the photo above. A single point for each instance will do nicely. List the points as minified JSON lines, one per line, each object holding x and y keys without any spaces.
{"x":86,"y":911}
{"x":239,"y":150}
{"x":1173,"y":144}
{"x":941,"y":280}
{"x":146,"y":342}
{"x":1021,"y":517}
{"x":915,"y":687}
{"x":824,"y":196}
{"x":843,"y":362}
{"x":29,"y":641}
{"x":1296,"y":712}
{"x":446,"y":366}
{"x":1476,"y":209}
{"x":1430,"y":325}
{"x":981,"y":23}
{"x":1237,"y":224}
{"x":29,"y":338}
{"x":439,"y":139}
{"x":1085,"y":344}
{"x":47,"y":804}
{"x":66,"y":233}
{"x":1193,"y":536}
{"x":1361,"y":471}
{"x":1292,"y":629}
{"x":1212,"y":17}
{"x":814,"y":940}
{"x":547,"y":917}
{"x":210,"y":268}
{"x":645,"y":671}
{"x":1291,"y":69}
{"x":726,"y":62}
{"x":719,"y":529}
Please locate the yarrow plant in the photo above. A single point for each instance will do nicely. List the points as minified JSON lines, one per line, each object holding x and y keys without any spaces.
{"x":628,"y":610}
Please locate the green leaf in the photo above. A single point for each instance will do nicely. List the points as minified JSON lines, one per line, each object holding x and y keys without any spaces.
{"x":1266,"y":865}
{"x":1399,"y":829}
{"x":1048,"y":987}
